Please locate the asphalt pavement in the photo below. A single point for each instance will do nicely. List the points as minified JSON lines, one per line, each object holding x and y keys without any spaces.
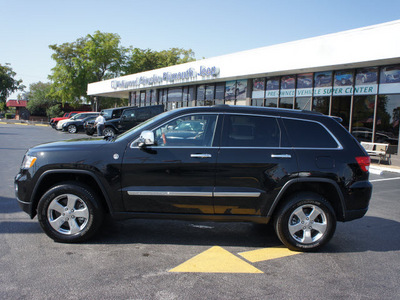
{"x":155,"y":259}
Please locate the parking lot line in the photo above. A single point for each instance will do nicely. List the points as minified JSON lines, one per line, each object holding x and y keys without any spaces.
{"x":385,"y":179}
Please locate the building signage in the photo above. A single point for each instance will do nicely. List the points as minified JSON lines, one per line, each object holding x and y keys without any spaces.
{"x":307,"y":92}
{"x":165,"y":78}
{"x":272,"y":94}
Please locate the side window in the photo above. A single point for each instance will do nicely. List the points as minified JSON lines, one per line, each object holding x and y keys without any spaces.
{"x":308,"y":134}
{"x":250,"y":131}
{"x":129,"y":115}
{"x":188,"y":131}
{"x":142,"y":114}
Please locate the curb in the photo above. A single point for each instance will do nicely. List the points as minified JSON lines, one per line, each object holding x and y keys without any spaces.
{"x":23,"y":124}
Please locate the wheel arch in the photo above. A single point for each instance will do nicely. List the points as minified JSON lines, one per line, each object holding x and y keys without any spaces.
{"x":327,"y":188}
{"x":53,"y":177}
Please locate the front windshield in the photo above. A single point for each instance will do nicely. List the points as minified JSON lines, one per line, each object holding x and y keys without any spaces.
{"x":77,"y":116}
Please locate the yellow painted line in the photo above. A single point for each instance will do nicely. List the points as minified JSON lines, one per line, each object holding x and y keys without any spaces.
{"x":3,"y":123}
{"x":43,"y":125}
{"x":216,"y":260}
{"x":21,"y":124}
{"x":267,"y":254}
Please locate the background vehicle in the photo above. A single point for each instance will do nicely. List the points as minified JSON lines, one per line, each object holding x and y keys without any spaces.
{"x":301,"y":170}
{"x":74,"y":126}
{"x":79,"y":116}
{"x":53,"y":121}
{"x":129,"y":117}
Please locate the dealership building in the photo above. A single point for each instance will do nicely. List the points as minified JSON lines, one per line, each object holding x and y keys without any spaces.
{"x":353,"y":74}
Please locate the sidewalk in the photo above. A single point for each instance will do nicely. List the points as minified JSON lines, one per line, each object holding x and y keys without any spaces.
{"x":394,"y":167}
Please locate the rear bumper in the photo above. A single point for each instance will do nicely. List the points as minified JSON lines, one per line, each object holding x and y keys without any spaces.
{"x":358,"y":201}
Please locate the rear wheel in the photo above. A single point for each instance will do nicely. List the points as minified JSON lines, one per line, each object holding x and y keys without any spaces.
{"x":108,"y":131}
{"x":305,"y":222}
{"x":70,"y":212}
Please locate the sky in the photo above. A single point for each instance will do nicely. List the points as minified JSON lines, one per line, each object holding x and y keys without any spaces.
{"x":208,"y":27}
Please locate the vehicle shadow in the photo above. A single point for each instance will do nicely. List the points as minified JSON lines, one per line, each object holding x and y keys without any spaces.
{"x":186,"y":233}
{"x":367,"y":234}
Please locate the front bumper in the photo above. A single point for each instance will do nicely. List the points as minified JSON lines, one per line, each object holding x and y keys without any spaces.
{"x":23,"y":193}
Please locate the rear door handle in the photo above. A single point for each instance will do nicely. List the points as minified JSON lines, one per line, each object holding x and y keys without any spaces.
{"x":205,"y":155}
{"x":281,"y":156}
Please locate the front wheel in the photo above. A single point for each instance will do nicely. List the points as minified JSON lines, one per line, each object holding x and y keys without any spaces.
{"x":72,"y":129}
{"x":305,"y":222}
{"x":70,"y":212}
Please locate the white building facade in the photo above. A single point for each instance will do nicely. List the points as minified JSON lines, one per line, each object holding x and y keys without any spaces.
{"x":353,"y":74}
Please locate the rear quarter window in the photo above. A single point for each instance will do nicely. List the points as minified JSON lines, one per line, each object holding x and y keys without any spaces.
{"x":309,"y":134}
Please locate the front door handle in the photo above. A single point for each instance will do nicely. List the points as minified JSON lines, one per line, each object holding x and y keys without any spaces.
{"x":281,"y":156}
{"x":205,"y":155}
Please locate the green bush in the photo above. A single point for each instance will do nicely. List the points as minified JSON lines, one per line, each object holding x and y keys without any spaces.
{"x":10,"y":116}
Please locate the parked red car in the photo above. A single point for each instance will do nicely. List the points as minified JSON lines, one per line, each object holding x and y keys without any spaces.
{"x":53,"y":122}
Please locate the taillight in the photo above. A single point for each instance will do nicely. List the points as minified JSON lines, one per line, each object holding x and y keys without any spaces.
{"x":364,"y":162}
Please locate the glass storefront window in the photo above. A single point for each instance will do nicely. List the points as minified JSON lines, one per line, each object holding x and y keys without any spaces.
{"x":341,"y":108}
{"x":219,"y":93}
{"x":272,"y":89}
{"x":230,"y":92}
{"x":287,"y":82}
{"x":387,"y":120}
{"x":271,"y":102}
{"x":241,"y":90}
{"x":258,"y":88}
{"x":304,"y":85}
{"x":363,"y":118}
{"x":390,"y":74}
{"x":210,"y":92}
{"x":154,"y":99}
{"x":367,"y":76}
{"x":175,"y":95}
{"x":201,"y":91}
{"x":257,"y":102}
{"x":321,"y":105}
{"x":185,"y":96}
{"x":148,"y":97}
{"x":303,"y":103}
{"x":191,"y":99}
{"x":142,"y":98}
{"x":286,"y":103}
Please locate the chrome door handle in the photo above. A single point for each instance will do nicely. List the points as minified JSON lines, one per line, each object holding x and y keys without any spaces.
{"x":200,"y":155}
{"x":281,"y":156}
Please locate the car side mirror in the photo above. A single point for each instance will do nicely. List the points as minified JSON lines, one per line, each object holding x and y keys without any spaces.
{"x":146,"y":139}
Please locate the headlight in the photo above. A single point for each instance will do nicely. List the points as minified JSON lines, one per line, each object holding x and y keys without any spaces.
{"x":28,"y":162}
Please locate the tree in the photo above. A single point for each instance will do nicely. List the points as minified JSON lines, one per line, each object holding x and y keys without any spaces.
{"x":8,"y":84}
{"x":40,"y":99}
{"x":92,"y":58}
{"x":140,"y":60}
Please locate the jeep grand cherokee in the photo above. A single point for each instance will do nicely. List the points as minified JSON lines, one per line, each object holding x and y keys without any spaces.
{"x":301,"y":170}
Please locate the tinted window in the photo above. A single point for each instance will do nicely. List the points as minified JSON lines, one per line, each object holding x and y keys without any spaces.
{"x":250,"y":131}
{"x":306,"y":134}
{"x":187,"y":131}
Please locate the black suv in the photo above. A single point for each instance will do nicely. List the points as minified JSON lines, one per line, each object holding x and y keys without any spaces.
{"x":301,"y":170}
{"x":127,"y":118}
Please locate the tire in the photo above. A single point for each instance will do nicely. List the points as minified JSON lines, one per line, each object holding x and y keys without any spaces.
{"x":72,"y":129}
{"x":70,"y":213}
{"x":108,"y":131}
{"x":305,"y":222}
